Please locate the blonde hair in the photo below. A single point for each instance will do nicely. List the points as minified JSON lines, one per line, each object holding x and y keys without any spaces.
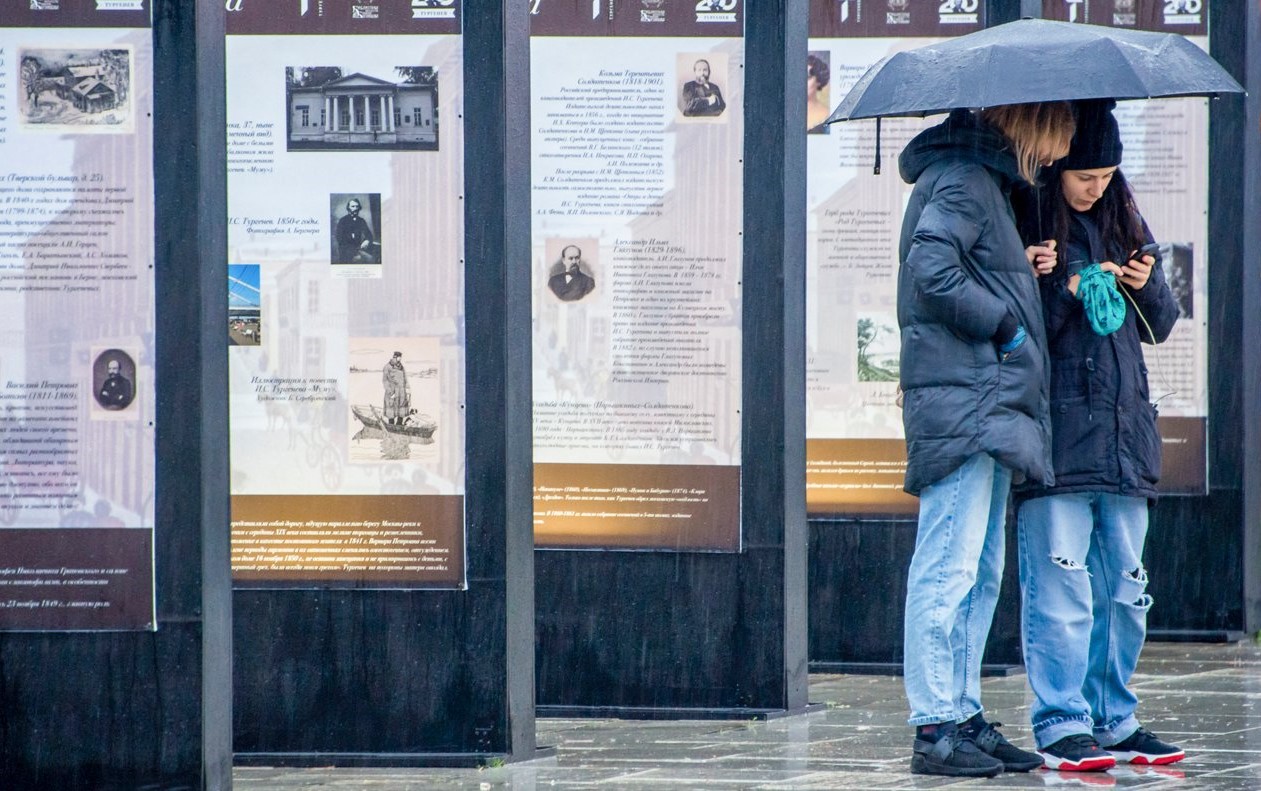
{"x":1032,"y":129}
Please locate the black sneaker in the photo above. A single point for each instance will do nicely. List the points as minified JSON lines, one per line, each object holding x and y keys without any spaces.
{"x":987,"y":737}
{"x":1142,"y":747}
{"x":954,"y":754}
{"x":1078,"y":752}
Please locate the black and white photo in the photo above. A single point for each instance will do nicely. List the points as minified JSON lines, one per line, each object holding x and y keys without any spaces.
{"x":76,"y":90}
{"x":114,"y":379}
{"x":701,"y":78}
{"x":571,"y":275}
{"x":336,"y":108}
{"x":355,"y":222}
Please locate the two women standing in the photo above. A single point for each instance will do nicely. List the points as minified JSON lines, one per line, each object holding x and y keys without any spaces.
{"x":1008,"y":379}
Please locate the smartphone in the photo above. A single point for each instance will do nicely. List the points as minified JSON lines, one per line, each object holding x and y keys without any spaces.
{"x":1152,"y":249}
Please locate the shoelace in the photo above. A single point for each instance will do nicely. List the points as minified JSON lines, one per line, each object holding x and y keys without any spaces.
{"x":1087,"y":743}
{"x":988,"y":739}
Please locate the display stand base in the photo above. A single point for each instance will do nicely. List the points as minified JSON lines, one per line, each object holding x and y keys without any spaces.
{"x":1195,"y":636}
{"x":390,"y":760}
{"x":671,"y":712}
{"x":895,"y":669}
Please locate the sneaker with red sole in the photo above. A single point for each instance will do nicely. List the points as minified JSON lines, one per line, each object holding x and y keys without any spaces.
{"x":1144,"y":749}
{"x":1078,"y":752}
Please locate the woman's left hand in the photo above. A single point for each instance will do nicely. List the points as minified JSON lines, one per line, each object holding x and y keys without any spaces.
{"x":1136,"y":272}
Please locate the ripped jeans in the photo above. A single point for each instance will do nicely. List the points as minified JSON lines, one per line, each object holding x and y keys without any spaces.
{"x":1084,"y":599}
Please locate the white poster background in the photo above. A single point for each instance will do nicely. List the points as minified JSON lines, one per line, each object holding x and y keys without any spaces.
{"x":279,"y":219}
{"x":86,"y":188}
{"x":669,"y":228}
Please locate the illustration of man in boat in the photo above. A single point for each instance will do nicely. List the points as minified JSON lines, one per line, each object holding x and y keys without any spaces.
{"x":398,"y":398}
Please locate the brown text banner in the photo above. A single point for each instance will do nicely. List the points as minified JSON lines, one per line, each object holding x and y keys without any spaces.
{"x":857,"y":476}
{"x":345,"y":541}
{"x":637,"y":506}
{"x":76,"y":579}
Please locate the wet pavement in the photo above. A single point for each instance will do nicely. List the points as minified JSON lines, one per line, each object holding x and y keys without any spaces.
{"x":1206,"y":698}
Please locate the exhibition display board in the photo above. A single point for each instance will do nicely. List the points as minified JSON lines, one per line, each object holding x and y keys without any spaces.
{"x":113,"y":505}
{"x":637,"y":122}
{"x":345,"y":276}
{"x":77,"y":356}
{"x":377,"y":336}
{"x":668,"y":232}
{"x":855,"y":451}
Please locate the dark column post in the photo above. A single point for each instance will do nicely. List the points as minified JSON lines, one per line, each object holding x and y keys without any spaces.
{"x":497,"y":298}
{"x":773,"y":478}
{"x":203,"y":208}
{"x":1249,"y":372}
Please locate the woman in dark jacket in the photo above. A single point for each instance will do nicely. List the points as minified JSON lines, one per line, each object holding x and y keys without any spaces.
{"x":975,"y":410}
{"x":1081,"y":540}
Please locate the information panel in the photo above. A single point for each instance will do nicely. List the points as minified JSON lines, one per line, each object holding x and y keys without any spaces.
{"x":856,"y":453}
{"x":345,"y":293}
{"x":637,"y":138}
{"x":855,"y":450}
{"x":76,"y":316}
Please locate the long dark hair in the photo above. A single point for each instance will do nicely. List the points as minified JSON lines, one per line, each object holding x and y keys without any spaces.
{"x":1114,"y":213}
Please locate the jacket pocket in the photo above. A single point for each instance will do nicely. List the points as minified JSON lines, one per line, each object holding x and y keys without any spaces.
{"x":1079,"y":445}
{"x":1147,"y":452}
{"x":1020,"y":379}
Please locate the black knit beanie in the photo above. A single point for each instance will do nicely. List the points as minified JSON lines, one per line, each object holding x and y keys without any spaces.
{"x":1097,"y":141}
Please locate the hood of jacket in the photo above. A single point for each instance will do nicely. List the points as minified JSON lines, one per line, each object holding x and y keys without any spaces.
{"x":963,"y":135}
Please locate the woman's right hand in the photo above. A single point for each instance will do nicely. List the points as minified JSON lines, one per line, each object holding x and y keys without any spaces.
{"x":1041,"y":257}
{"x":1106,"y":266}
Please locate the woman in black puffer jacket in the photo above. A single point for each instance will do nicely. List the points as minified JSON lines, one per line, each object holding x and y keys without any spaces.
{"x":975,"y":411}
{"x":1081,"y":539}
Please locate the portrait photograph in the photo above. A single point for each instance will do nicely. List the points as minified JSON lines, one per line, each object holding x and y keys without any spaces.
{"x":340,"y":108}
{"x":76,"y":90}
{"x":701,"y":79}
{"x":113,"y":382}
{"x":355,"y":227}
{"x":572,"y":271}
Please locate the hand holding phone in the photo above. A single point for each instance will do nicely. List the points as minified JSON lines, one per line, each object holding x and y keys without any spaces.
{"x":1136,"y":271}
{"x":1152,"y":249}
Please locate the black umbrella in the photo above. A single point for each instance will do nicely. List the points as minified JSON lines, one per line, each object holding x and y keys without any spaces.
{"x":1034,"y":60}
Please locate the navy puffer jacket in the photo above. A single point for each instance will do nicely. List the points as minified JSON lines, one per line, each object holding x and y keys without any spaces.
{"x":963,"y":269}
{"x":1104,"y":426}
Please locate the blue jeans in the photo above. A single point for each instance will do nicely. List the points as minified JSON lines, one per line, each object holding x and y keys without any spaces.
{"x":1085,"y":600}
{"x":952,"y":588}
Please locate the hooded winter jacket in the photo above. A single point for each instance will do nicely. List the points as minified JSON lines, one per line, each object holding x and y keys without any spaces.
{"x":963,"y":269}
{"x":1104,"y":426}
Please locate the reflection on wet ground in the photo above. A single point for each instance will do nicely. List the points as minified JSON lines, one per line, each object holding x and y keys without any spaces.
{"x":1207,"y":698}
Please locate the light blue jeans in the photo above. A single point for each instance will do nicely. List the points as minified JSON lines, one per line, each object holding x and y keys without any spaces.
{"x":952,"y":589}
{"x":1085,"y":602}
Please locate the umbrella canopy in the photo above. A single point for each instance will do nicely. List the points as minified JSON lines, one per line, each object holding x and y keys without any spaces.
{"x":1034,"y":60}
